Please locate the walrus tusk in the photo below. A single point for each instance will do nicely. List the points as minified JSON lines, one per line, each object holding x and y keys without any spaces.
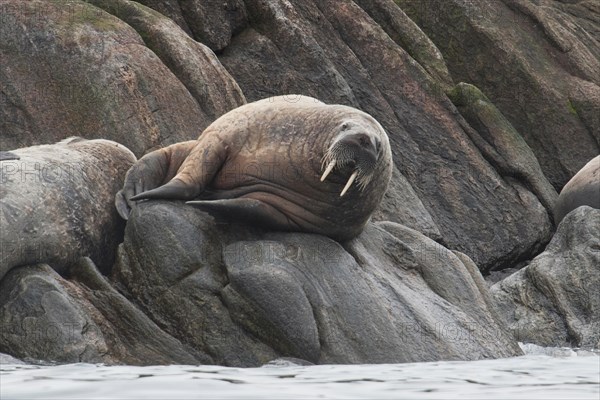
{"x":328,"y":170}
{"x":352,"y":178}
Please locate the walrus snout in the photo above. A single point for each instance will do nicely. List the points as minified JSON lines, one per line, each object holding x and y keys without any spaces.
{"x":357,"y":151}
{"x":363,"y":142}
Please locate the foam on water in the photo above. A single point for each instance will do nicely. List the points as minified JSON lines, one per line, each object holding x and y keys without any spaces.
{"x":542,"y":374}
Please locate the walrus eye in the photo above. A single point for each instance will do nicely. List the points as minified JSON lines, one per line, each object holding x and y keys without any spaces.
{"x":345,"y":126}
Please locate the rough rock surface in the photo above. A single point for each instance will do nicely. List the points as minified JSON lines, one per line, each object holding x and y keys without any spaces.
{"x":537,"y":61}
{"x":554,"y":300}
{"x":245,"y":297}
{"x":194,"y":64}
{"x":84,"y":319}
{"x":500,"y":143}
{"x":212,"y":22}
{"x":72,"y":69}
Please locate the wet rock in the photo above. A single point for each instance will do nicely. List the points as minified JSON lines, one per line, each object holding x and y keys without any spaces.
{"x":45,"y":317}
{"x":554,"y":300}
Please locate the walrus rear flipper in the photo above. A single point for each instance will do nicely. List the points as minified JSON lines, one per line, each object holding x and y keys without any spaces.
{"x":121,"y":205}
{"x":174,"y":189}
{"x":250,"y":211}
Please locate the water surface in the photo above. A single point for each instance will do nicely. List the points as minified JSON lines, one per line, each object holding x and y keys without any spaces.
{"x":542,"y":374}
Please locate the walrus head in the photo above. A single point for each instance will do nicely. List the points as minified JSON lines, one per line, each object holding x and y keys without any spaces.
{"x":355,"y":150}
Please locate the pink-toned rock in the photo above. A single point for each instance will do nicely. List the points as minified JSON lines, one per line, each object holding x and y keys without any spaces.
{"x":537,"y":61}
{"x":72,"y":69}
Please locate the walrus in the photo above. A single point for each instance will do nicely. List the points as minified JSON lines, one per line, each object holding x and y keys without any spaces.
{"x":583,"y":189}
{"x":56,"y":203}
{"x":290,"y":163}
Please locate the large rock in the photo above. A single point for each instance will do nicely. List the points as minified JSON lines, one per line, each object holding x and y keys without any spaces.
{"x":244,"y":297}
{"x":537,"y":61}
{"x":211,"y":22}
{"x":501,"y":144}
{"x":554,"y":300}
{"x":45,"y":317}
{"x":194,"y":64}
{"x":71,"y":69}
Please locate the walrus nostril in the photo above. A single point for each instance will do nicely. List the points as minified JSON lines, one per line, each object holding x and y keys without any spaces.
{"x":364,"y":140}
{"x":360,"y":140}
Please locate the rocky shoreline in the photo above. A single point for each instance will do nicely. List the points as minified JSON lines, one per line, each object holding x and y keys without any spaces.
{"x":488,"y":117}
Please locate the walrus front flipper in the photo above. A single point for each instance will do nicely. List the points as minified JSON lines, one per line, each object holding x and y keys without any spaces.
{"x":250,"y":211}
{"x":202,"y":163}
{"x":7,"y":155}
{"x":150,"y":172}
{"x":121,"y":205}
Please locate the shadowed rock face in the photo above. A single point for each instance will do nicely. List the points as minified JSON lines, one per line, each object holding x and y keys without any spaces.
{"x":537,"y":61}
{"x":84,"y":319}
{"x":195,"y":290}
{"x":554,"y":300}
{"x":390,"y":295}
{"x":232,"y":296}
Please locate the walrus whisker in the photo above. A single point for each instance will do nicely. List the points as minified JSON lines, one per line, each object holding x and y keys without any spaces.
{"x":352,"y":178}
{"x":328,"y":170}
{"x":363,"y":181}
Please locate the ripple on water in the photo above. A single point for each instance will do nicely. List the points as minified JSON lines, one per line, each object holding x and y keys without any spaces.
{"x":535,"y":376}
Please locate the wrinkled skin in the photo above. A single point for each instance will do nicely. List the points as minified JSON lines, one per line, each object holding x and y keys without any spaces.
{"x":582,"y":190}
{"x":56,"y":203}
{"x":263,"y":163}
